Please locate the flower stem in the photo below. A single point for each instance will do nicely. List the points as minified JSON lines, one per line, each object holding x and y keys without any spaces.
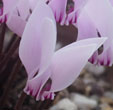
{"x":13,"y":38}
{"x":9,"y":82}
{"x":10,"y":52}
{"x":20,"y":101}
{"x":2,"y":36}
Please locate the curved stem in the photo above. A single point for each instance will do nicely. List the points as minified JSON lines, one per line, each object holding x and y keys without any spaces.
{"x":20,"y":101}
{"x":10,"y":52}
{"x":2,"y":36}
{"x":9,"y":82}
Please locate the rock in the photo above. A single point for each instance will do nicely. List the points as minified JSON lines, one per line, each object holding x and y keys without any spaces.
{"x":77,"y":86}
{"x":109,"y":94}
{"x":82,"y":101}
{"x":64,"y":104}
{"x":106,"y":107}
{"x":63,"y":94}
{"x":95,"y":97}
{"x":106,"y":100}
{"x":104,"y":84}
{"x":89,"y":78}
{"x":94,"y":88}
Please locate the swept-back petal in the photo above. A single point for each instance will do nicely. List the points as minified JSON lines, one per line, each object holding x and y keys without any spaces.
{"x":8,"y":5}
{"x":79,"y":4}
{"x":97,"y":41}
{"x":69,"y":61}
{"x":39,"y":39}
{"x":23,"y":8}
{"x":101,"y":13}
{"x":67,"y":65}
{"x":59,"y":9}
{"x":106,"y":58}
{"x":78,"y":7}
{"x":16,"y":23}
{"x":86,"y":27}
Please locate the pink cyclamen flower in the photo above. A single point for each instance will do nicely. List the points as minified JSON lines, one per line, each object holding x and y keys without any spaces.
{"x":49,"y":71}
{"x":96,"y":20}
{"x":8,"y":5}
{"x":59,"y":9}
{"x":15,"y":13}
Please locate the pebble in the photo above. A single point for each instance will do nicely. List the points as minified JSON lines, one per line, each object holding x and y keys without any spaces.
{"x":106,"y":100}
{"x":83,"y":101}
{"x":77,"y":86}
{"x":109,"y":94}
{"x":64,"y":104}
{"x":106,"y":107}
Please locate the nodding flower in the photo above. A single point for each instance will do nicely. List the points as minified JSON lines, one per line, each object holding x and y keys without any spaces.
{"x":48,"y":70}
{"x":15,"y":14}
{"x":62,"y":14}
{"x":96,"y":20}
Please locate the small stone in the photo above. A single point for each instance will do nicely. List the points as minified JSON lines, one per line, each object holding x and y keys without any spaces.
{"x":64,"y":104}
{"x":106,"y":100}
{"x":77,"y":86}
{"x":106,"y":107}
{"x":95,"y":89}
{"x":81,"y":100}
{"x":109,"y":94}
{"x":88,"y":78}
{"x":63,"y":94}
{"x":88,"y":90}
{"x":95,"y":97}
{"x":104,"y":84}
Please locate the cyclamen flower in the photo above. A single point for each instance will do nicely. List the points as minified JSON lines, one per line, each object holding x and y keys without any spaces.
{"x":59,"y":9}
{"x":96,"y":20}
{"x":49,"y":71}
{"x":15,"y":13}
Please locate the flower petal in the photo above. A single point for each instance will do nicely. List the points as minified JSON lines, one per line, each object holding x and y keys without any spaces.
{"x":78,"y":7}
{"x":97,"y":41}
{"x":23,"y":8}
{"x":101,"y":13}
{"x":67,"y":65}
{"x":39,"y":39}
{"x":8,"y":5}
{"x":13,"y":21}
{"x":86,"y":27}
{"x":74,"y":59}
{"x":59,"y":9}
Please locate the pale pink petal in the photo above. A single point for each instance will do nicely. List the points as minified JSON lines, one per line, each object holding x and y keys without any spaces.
{"x":59,"y":10}
{"x":38,"y":40}
{"x":98,"y":41}
{"x":67,"y":65}
{"x":35,"y":85}
{"x":86,"y":27}
{"x":111,"y":1}
{"x":9,"y":5}
{"x":101,"y":13}
{"x":23,"y":8}
{"x":16,"y":24}
{"x":33,"y":3}
{"x":106,"y":58}
{"x":78,"y":7}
